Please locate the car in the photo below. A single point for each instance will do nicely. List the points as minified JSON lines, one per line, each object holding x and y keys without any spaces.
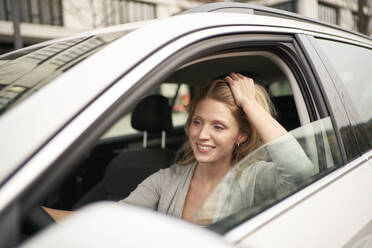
{"x":68,"y":108}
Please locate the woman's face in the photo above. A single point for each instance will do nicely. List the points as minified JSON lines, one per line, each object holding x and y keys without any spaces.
{"x":213,"y":132}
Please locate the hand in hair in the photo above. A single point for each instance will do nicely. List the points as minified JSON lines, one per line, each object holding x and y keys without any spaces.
{"x":242,"y":88}
{"x":252,"y":100}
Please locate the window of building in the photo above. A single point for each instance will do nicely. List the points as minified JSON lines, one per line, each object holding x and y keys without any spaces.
{"x":4,"y":10}
{"x":288,"y":6}
{"x":34,"y":11}
{"x":355,"y":21}
{"x":124,"y":11}
{"x":327,"y":13}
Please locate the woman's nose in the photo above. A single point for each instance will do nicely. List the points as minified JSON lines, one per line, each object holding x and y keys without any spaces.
{"x":204,"y":132}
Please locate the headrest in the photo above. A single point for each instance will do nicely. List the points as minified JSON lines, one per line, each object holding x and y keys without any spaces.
{"x":152,"y":114}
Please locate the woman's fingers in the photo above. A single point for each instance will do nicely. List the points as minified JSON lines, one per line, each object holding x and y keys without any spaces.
{"x":238,"y":80}
{"x":242,"y":87}
{"x":228,"y":79}
{"x":239,"y":76}
{"x":235,"y":82}
{"x":235,"y":76}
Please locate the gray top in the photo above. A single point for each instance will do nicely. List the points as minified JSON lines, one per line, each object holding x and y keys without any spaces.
{"x":247,"y":183}
{"x":165,"y":190}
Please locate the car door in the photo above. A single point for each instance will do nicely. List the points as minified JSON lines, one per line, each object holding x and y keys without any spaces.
{"x":334,"y":210}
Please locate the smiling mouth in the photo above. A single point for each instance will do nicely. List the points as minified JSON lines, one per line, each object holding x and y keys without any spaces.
{"x":205,"y":148}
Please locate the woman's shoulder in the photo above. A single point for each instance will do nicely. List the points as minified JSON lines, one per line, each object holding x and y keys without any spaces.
{"x":246,"y":168}
{"x":246,"y":173}
{"x":172,"y":175}
{"x":172,"y":172}
{"x":177,"y":170}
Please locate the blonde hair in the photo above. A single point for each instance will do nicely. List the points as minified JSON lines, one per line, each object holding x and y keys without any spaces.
{"x":219,"y":90}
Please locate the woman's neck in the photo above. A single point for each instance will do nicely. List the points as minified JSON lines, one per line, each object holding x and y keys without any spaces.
{"x":209,"y":175}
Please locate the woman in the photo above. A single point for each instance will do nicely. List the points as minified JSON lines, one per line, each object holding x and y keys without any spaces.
{"x":229,"y":119}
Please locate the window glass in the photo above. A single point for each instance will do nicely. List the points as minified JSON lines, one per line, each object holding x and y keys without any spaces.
{"x":271,"y":173}
{"x":355,"y":21}
{"x":353,"y":65}
{"x":280,"y":87}
{"x":179,"y":113}
{"x":25,"y":72}
{"x":178,"y":96}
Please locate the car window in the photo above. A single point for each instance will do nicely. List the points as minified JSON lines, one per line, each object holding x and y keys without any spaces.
{"x":25,"y":72}
{"x":353,"y":66}
{"x":271,"y":173}
{"x":315,"y":143}
{"x":280,"y":87}
{"x":178,"y":96}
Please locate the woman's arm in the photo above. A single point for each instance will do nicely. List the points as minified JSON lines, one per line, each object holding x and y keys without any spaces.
{"x":57,"y":214}
{"x":244,"y":92}
{"x":147,"y":193}
{"x":290,"y":163}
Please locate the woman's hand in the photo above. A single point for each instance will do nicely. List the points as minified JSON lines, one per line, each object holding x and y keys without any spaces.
{"x":57,"y":214}
{"x":242,"y":87}
{"x":244,"y":92}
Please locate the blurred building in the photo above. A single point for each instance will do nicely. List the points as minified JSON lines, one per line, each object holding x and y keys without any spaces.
{"x":47,"y":19}
{"x":345,"y":13}
{"x":42,"y":20}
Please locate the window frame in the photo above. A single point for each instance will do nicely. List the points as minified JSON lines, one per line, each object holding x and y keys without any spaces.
{"x":297,"y":62}
{"x":360,"y":144}
{"x":330,"y":94}
{"x":68,"y":158}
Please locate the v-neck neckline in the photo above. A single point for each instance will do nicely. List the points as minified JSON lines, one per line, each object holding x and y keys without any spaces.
{"x":186,"y":185}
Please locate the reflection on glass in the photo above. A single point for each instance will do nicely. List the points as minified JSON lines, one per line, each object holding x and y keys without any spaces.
{"x":353,"y":66}
{"x":10,"y":95}
{"x":31,"y":71}
{"x":271,"y":173}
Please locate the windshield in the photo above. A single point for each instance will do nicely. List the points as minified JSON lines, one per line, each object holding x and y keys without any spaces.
{"x":269,"y":174}
{"x":25,"y":72}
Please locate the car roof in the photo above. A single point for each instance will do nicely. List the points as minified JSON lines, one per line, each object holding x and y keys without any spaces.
{"x":134,"y":47}
{"x":253,"y":9}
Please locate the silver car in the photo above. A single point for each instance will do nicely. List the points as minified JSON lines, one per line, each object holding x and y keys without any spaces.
{"x":70,"y":138}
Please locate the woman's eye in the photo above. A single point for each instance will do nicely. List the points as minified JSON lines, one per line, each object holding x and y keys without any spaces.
{"x":218,"y":127}
{"x":196,"y":122}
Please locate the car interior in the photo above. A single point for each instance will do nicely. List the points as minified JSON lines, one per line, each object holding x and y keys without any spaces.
{"x":147,"y":139}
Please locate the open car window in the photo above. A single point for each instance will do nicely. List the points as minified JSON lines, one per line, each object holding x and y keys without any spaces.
{"x":110,"y":153}
{"x":109,"y":173}
{"x":271,"y":173}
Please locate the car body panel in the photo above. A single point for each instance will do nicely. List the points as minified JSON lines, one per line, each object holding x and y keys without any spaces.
{"x":312,"y":211}
{"x":97,"y":221}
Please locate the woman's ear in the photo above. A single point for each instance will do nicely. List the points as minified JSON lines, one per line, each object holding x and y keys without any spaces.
{"x":242,"y":137}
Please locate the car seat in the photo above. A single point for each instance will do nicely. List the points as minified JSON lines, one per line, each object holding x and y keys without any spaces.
{"x":129,"y":168}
